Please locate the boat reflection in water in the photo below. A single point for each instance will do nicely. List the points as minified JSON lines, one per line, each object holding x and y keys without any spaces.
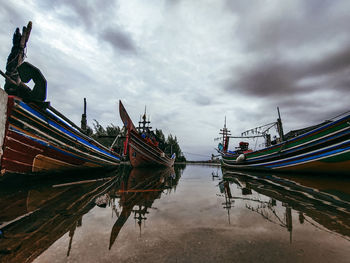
{"x":33,"y":218}
{"x":137,"y":193}
{"x":321,"y":202}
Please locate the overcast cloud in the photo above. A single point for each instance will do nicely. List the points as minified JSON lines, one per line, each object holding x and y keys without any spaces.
{"x":191,"y":62}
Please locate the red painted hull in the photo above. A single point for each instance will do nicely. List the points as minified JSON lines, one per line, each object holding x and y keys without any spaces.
{"x":35,"y":140}
{"x":141,"y":152}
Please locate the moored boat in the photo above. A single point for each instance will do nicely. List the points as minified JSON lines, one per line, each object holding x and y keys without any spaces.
{"x":323,"y":148}
{"x":142,"y":145}
{"x":34,"y":136}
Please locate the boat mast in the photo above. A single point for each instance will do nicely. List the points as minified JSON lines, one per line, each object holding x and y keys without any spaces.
{"x":225,"y":136}
{"x":83,"y":118}
{"x":145,"y":124}
{"x":279,"y":125}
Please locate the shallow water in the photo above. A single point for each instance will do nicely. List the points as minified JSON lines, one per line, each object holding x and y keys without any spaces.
{"x":191,"y":214}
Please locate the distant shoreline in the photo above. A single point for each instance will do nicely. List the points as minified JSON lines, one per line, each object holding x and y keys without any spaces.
{"x":200,"y":163}
{"x":188,"y":162}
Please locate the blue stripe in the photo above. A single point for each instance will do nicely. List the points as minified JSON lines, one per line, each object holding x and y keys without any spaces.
{"x":29,"y":137}
{"x":305,"y":134}
{"x":51,"y":146}
{"x":298,"y":148}
{"x":310,"y":158}
{"x":44,"y":118}
{"x":322,"y":127}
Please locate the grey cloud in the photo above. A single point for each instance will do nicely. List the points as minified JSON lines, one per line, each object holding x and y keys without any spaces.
{"x":10,"y":14}
{"x":172,"y":2}
{"x":336,"y":61}
{"x":272,"y":77}
{"x":202,"y":100}
{"x":119,"y":39}
{"x":318,"y":7}
{"x":306,"y":23}
{"x":95,"y":16}
{"x":240,"y":7}
{"x":86,"y":13}
{"x":267,"y":78}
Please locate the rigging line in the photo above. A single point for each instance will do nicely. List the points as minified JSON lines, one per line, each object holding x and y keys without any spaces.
{"x":340,"y":115}
{"x":258,"y":127}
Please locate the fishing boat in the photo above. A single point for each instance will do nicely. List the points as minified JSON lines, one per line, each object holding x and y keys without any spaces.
{"x":322,"y":148}
{"x":142,"y":144}
{"x":34,"y":136}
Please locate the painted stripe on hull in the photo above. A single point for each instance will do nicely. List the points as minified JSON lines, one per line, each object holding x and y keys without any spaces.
{"x":315,"y":144}
{"x":332,"y":149}
{"x":71,"y":158}
{"x":36,"y":142}
{"x":323,"y":153}
{"x":140,"y":158}
{"x":338,"y":126}
{"x":146,"y":154}
{"x":316,"y":165}
{"x":68,"y":130}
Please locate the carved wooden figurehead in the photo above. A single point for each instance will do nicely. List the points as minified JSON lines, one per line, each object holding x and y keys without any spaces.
{"x":19,"y":72}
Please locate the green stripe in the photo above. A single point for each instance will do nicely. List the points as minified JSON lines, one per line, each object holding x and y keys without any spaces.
{"x":338,"y":158}
{"x":294,"y":143}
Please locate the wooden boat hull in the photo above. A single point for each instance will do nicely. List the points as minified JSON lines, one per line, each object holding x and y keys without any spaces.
{"x":323,"y":150}
{"x":37,"y":140}
{"x":141,"y":152}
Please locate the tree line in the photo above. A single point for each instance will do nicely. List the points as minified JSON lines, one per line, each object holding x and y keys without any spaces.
{"x":107,"y":135}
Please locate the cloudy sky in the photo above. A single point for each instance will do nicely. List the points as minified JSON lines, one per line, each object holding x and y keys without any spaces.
{"x":191,"y":62}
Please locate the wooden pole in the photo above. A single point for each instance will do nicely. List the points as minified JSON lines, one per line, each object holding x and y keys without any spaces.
{"x":83,"y":118}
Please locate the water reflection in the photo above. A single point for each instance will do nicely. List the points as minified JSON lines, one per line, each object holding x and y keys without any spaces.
{"x":32,"y":218}
{"x":137,"y":193}
{"x":322,"y":202}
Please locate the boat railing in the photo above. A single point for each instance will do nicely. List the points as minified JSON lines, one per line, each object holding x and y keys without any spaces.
{"x":339,"y":116}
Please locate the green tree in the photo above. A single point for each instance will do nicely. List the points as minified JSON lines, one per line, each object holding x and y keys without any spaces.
{"x":172,"y":146}
{"x":107,"y":135}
